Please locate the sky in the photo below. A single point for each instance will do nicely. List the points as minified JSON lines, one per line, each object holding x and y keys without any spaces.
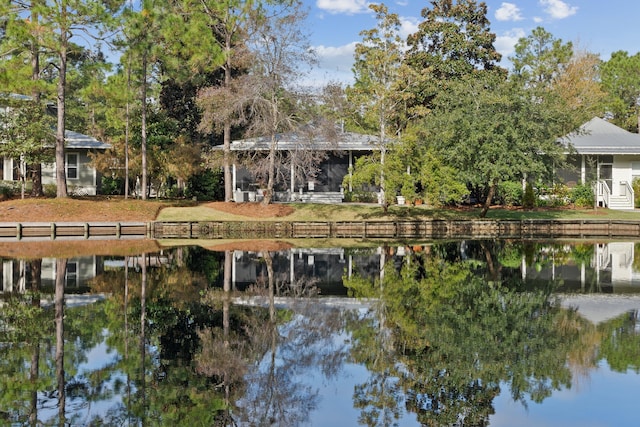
{"x":597,"y":26}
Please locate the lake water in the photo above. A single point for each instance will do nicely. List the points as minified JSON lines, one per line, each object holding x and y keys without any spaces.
{"x":464,"y":333}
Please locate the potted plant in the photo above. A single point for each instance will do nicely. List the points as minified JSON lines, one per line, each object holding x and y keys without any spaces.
{"x":408,"y":189}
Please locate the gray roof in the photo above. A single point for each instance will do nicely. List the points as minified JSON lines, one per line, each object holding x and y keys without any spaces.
{"x":75,"y":140}
{"x":344,"y":141}
{"x":598,"y":136}
{"x":80,"y":140}
{"x":72,"y":139}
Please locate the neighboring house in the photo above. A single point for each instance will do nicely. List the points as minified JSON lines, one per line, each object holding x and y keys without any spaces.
{"x":82,"y":178}
{"x":608,"y":155}
{"x":79,"y":273}
{"x":325,"y":186}
{"x":324,"y":269}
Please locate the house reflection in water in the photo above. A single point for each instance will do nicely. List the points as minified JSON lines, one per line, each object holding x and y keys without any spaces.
{"x":602,"y":267}
{"x":609,"y":269}
{"x":17,"y":274}
{"x":324,"y":267}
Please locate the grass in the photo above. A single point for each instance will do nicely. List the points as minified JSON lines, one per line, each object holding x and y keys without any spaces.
{"x":118,"y":209}
{"x":371,"y":212}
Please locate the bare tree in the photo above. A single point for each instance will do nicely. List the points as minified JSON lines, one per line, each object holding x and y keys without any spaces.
{"x":266,"y":99}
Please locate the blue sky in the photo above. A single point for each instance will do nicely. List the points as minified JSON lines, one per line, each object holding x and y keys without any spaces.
{"x":597,"y":26}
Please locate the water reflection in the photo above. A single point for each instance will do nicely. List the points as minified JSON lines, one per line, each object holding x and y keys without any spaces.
{"x":187,"y":336}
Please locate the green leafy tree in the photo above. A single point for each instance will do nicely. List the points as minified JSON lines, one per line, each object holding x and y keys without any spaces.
{"x":580,"y":87}
{"x":21,"y":54}
{"x":375,"y":92}
{"x":621,"y":81}
{"x":540,"y":58}
{"x":141,"y":31}
{"x":26,"y":134}
{"x":61,"y":22}
{"x":453,"y":41}
{"x":120,"y":106}
{"x":494,"y":131}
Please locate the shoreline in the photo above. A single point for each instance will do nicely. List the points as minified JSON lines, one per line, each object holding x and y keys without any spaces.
{"x":366,"y":229}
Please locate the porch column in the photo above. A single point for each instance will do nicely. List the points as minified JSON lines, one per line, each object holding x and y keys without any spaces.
{"x":583,"y":171}
{"x":598,"y":181}
{"x":292,"y":265}
{"x":292,"y":179}
{"x":7,"y":169}
{"x":233,"y":176}
{"x":350,"y":169}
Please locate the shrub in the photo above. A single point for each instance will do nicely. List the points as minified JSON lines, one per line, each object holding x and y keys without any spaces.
{"x":111,"y":186}
{"x":582,"y":196}
{"x":636,"y":189}
{"x":559,"y":195}
{"x":6,"y":191}
{"x":509,"y":193}
{"x":206,"y":185}
{"x":360,"y":196}
{"x":50,"y":190}
{"x":529,"y":197}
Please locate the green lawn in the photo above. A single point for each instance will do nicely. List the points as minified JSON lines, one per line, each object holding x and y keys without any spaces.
{"x":372,"y":212}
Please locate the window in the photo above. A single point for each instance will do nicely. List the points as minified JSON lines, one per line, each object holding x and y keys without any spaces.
{"x":72,"y":165}
{"x":71,"y":275}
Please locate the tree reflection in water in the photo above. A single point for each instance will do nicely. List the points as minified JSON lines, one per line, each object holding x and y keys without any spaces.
{"x":454,"y":332}
{"x":452,"y":325}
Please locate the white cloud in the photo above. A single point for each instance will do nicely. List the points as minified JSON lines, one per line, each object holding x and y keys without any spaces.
{"x":336,"y":58}
{"x":408,"y":26}
{"x":343,"y":6}
{"x":505,"y":44}
{"x":558,"y":9}
{"x":508,"y":12}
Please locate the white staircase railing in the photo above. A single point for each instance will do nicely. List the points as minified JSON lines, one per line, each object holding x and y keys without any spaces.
{"x":626,"y":191}
{"x":623,"y":200}
{"x":603,"y":193}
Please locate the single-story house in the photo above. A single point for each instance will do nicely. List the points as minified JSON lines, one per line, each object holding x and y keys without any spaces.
{"x":79,"y":273}
{"x":82,"y":177}
{"x":325,"y":185}
{"x":608,"y":155}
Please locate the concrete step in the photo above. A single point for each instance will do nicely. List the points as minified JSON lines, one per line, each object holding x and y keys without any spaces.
{"x":620,"y":202}
{"x":324,"y":197}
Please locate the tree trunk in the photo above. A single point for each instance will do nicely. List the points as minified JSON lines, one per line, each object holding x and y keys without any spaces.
{"x":61,"y":269}
{"x":61,"y":175}
{"x":226,"y":136}
{"x":143,"y":149}
{"x":487,"y":202}
{"x":126,"y":132}
{"x":36,"y":180}
{"x":34,"y":371}
{"x":268,"y":194}
{"x":36,"y":168}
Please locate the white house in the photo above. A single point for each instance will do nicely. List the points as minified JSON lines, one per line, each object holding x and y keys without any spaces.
{"x":608,"y":155}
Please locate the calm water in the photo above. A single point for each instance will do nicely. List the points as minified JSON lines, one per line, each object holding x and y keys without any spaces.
{"x":470,"y":333}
